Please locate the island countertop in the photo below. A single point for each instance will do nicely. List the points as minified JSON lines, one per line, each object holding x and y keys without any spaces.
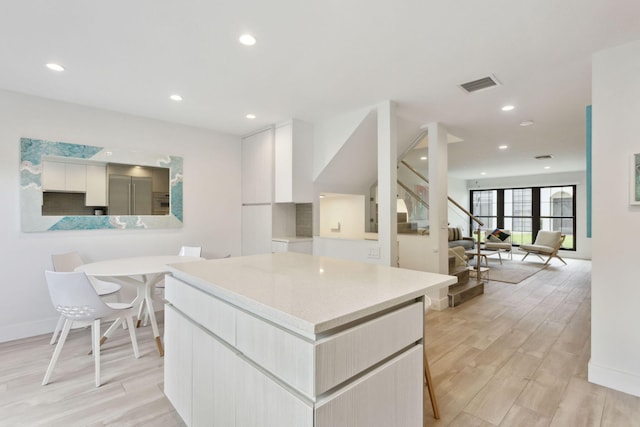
{"x":307,"y":294}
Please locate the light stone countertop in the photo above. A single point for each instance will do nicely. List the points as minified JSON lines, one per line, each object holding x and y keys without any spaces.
{"x":307,"y":294}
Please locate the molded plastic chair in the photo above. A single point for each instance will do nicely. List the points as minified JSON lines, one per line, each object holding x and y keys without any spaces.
{"x":427,"y":371}
{"x":68,"y":262}
{"x":76,"y":300}
{"x":547,"y":243}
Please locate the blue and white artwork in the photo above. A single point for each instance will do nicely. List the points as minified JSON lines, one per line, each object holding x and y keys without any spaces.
{"x":32,"y":153}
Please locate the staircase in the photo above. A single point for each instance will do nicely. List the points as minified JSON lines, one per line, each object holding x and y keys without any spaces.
{"x":466,"y":288}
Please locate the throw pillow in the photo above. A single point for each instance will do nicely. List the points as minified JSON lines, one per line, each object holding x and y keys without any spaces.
{"x":498,"y":235}
{"x":454,"y":233}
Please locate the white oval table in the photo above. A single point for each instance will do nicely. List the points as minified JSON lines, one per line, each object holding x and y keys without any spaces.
{"x":143,"y":273}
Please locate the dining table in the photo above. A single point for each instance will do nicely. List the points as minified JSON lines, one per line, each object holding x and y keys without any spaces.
{"x":143,"y":273}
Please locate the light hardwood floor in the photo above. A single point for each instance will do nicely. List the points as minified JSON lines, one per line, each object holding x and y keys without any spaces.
{"x":516,"y":356}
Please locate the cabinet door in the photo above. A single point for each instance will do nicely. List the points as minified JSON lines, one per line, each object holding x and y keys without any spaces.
{"x":96,"y":186}
{"x":389,"y":396}
{"x":261,"y":402}
{"x":257,"y":168}
{"x":53,"y":176}
{"x":214,"y":383}
{"x":256,"y":229}
{"x":283,"y":163}
{"x":76,"y":177}
{"x":178,"y":361}
{"x":293,"y":162}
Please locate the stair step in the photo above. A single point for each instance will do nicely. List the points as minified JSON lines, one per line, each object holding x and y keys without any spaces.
{"x":460,"y":293}
{"x":461,"y":273}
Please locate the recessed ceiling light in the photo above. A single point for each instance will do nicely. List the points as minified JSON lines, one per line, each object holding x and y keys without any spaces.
{"x":423,"y":158}
{"x":55,"y":67}
{"x":250,"y":116}
{"x":508,"y":108}
{"x":503,"y":147}
{"x":526,"y":123}
{"x":547,"y":167}
{"x":247,"y":40}
{"x":483,"y":173}
{"x":175,"y":97}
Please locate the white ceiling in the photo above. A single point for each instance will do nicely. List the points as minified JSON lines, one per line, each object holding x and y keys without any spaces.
{"x":316,"y":59}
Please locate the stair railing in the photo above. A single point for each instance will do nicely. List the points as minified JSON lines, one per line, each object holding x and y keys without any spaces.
{"x":456,"y":204}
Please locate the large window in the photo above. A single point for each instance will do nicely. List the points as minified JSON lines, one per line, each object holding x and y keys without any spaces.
{"x":525,"y":211}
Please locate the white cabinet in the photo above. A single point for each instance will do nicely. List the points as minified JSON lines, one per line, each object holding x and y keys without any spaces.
{"x":178,"y":362}
{"x":256,"y":229}
{"x":257,"y":168}
{"x":59,"y":176}
{"x":301,"y":246}
{"x":391,"y":395}
{"x":96,"y":185}
{"x":364,"y":373}
{"x":293,"y":165}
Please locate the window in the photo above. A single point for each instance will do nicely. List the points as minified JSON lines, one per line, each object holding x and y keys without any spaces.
{"x":525,"y":211}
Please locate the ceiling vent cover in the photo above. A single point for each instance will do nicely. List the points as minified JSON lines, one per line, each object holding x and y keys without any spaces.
{"x":544,"y":157}
{"x":480,"y":84}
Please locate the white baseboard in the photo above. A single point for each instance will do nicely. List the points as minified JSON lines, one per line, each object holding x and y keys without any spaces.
{"x":27,"y":329}
{"x":612,"y":378}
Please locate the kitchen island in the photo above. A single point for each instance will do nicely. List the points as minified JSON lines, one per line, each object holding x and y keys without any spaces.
{"x":291,"y":339}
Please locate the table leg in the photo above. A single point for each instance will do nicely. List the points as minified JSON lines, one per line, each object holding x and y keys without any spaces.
{"x":149,"y":282}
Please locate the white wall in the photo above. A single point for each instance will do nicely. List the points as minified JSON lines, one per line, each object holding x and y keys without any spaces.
{"x":615,"y":287}
{"x":347,"y":210}
{"x":459,"y":192}
{"x":211,"y":200}
{"x":579,"y":179}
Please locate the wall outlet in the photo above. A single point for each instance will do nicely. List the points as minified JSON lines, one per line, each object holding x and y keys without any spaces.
{"x":374,"y":253}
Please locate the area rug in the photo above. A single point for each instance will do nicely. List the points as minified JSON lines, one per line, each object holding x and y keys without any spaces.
{"x":512,"y":271}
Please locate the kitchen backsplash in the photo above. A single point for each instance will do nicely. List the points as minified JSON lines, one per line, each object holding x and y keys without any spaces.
{"x":304,"y":220}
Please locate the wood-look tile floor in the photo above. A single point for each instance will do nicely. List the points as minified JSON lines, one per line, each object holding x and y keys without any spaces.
{"x":131,"y":392}
{"x":515,"y":356}
{"x":518,"y":355}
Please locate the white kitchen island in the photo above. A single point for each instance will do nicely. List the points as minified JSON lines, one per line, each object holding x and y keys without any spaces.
{"x":295,"y":340}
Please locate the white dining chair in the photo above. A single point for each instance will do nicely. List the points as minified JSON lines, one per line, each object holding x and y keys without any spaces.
{"x":190,"y":251}
{"x":194,"y":251}
{"x":74,"y":297}
{"x":68,"y":262}
{"x":427,"y":371}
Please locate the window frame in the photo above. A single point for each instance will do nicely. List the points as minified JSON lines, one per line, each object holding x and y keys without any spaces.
{"x":536,"y":216}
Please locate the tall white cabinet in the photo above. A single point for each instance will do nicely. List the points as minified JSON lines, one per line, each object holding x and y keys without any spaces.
{"x":293,"y":162}
{"x":257,"y":192}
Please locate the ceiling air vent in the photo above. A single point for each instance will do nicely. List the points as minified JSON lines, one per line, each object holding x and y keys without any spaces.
{"x":544,"y":157}
{"x":480,"y":84}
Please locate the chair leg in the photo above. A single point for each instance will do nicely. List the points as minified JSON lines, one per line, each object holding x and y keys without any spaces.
{"x":560,"y":258}
{"x":132,"y":334}
{"x":56,"y":331}
{"x":95,"y":334}
{"x":432,"y":393}
{"x":56,"y":353}
{"x":139,"y":318}
{"x":525,"y":256}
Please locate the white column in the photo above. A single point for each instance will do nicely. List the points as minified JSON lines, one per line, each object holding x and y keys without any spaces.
{"x":387,"y":183}
{"x":438,"y":191}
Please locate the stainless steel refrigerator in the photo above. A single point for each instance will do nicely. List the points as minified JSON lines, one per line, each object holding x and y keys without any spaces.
{"x":130,"y":195}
